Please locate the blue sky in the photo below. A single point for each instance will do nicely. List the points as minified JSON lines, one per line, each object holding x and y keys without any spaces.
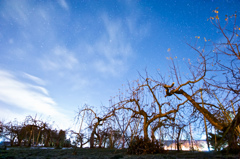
{"x":58,"y":55}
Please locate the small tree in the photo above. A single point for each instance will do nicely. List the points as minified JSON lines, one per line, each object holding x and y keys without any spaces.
{"x":96,"y":121}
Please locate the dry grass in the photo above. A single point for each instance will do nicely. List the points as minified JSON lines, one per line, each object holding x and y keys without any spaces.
{"x":27,"y":153}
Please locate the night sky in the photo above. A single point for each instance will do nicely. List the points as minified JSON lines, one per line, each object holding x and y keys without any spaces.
{"x":56,"y":56}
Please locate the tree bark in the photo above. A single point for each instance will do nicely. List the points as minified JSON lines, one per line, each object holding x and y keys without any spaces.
{"x":38,"y":137}
{"x":178,"y":137}
{"x":47,"y":139}
{"x":231,"y":134}
{"x":145,"y":129}
{"x":30,"y":138}
{"x":214,"y":121}
{"x":92,"y":135}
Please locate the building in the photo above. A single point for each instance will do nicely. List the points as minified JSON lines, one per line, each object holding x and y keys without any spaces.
{"x":198,"y":145}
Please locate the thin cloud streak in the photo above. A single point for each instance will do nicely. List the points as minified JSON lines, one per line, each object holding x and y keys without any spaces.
{"x":34,"y":79}
{"x":111,"y":51}
{"x":16,"y":11}
{"x":59,"y":58}
{"x":63,"y":4}
{"x":25,"y":96}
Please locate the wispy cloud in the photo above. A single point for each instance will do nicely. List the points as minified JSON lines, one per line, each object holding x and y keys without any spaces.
{"x":63,"y":4}
{"x":25,"y":96}
{"x":59,"y":58}
{"x":34,"y":78}
{"x":112,"y":49}
{"x":16,"y":11}
{"x":134,"y":19}
{"x":24,"y":14}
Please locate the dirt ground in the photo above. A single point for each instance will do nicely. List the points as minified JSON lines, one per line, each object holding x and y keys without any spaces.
{"x":37,"y":153}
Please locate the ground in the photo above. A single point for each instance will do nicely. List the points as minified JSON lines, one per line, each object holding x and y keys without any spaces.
{"x":37,"y":153}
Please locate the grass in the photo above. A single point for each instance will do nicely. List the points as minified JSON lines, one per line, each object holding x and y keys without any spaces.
{"x":28,"y":153}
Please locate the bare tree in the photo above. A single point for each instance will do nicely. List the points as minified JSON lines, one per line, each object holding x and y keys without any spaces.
{"x":96,"y":121}
{"x":10,"y":131}
{"x":205,"y":79}
{"x":143,"y":101}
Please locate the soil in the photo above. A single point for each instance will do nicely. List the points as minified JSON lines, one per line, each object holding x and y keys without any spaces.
{"x":39,"y":153}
